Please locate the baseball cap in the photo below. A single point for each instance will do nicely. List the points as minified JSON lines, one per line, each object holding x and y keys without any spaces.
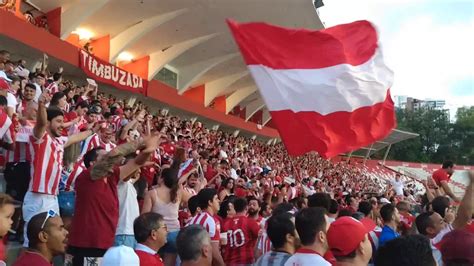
{"x":454,"y":246}
{"x":4,"y":84}
{"x":4,"y":76}
{"x":345,"y":234}
{"x":120,"y":256}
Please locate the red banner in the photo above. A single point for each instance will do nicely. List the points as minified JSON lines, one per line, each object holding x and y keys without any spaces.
{"x":105,"y":72}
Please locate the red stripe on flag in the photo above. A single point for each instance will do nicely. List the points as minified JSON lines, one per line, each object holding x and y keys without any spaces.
{"x":336,"y":132}
{"x":281,"y":48}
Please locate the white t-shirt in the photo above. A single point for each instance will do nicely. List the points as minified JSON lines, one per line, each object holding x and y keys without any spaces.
{"x":38,"y":91}
{"x":12,"y":102}
{"x":398,"y":187}
{"x":128,"y":208}
{"x":306,"y":259}
{"x":233,"y":174}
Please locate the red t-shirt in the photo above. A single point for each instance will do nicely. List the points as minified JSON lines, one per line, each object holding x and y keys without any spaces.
{"x":240,"y":192}
{"x":242,"y":233}
{"x":147,"y":259}
{"x":440,"y":175}
{"x":31,"y":258}
{"x":96,"y":214}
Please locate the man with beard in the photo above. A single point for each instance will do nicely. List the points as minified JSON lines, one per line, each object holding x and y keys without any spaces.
{"x":102,"y":139}
{"x":242,"y":234}
{"x":46,"y":145}
{"x":254,"y":209}
{"x":284,"y":238}
{"x":48,"y":238}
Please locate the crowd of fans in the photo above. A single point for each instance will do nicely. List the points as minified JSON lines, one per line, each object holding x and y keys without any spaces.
{"x":99,"y":181}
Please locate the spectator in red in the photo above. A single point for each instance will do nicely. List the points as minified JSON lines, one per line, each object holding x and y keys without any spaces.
{"x":209,"y":204}
{"x":242,"y":233}
{"x":48,"y":239}
{"x":457,"y":248}
{"x":312,"y":226}
{"x":348,"y":241}
{"x":442,"y":177}
{"x":150,"y":233}
{"x":406,"y":218}
{"x":97,"y":200}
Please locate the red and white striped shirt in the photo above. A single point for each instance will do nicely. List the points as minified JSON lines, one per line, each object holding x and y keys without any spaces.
{"x":68,"y":180}
{"x":211,"y":224}
{"x":94,"y":141}
{"x":47,"y":153}
{"x":264,"y":244}
{"x":190,"y":190}
{"x":52,"y":88}
{"x":5,"y":123}
{"x":21,"y":151}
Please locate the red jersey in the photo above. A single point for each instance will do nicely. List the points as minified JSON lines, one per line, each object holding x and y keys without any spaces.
{"x":48,"y":153}
{"x":210,"y":223}
{"x":242,"y":233}
{"x":440,"y":175}
{"x":97,"y":211}
{"x":31,"y":258}
{"x":147,"y":259}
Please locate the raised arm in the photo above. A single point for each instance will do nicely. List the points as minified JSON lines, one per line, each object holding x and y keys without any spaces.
{"x":448,"y":191}
{"x":149,"y":145}
{"x":104,"y":166}
{"x":466,"y":209}
{"x":42,"y":117}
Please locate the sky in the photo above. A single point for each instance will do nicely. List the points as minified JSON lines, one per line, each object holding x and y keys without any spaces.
{"x":429,"y":44}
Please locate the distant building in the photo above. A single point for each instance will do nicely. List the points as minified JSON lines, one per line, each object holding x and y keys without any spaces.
{"x":413,"y":104}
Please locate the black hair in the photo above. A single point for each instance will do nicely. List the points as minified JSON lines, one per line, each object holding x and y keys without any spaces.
{"x":206,"y":195}
{"x":309,"y":222}
{"x":345,"y":212}
{"x":53,"y":112}
{"x":423,"y":221}
{"x":82,"y":105}
{"x":225,"y":206}
{"x":447,"y":164}
{"x":57,"y":76}
{"x":411,"y":250}
{"x":31,"y":86}
{"x":91,"y":156}
{"x":227,"y":181}
{"x":278,"y":226}
{"x":386,"y":212}
{"x":144,"y":224}
{"x":298,"y":202}
{"x":193,"y":204}
{"x":282,"y":208}
{"x":334,"y":207}
{"x":34,"y":228}
{"x":56,"y":97}
{"x":240,"y":204}
{"x":440,"y":204}
{"x":320,"y":199}
{"x":365,"y":207}
{"x":3,"y":100}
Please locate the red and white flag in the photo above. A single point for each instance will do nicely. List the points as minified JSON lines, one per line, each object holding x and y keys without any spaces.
{"x":327,"y":90}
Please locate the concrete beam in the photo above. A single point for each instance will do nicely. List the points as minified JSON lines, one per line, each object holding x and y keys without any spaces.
{"x":77,"y":13}
{"x":216,"y":87}
{"x":161,"y":58}
{"x":129,"y":36}
{"x":266,"y":117}
{"x":235,"y":98}
{"x":191,"y":73}
{"x":253,"y":107}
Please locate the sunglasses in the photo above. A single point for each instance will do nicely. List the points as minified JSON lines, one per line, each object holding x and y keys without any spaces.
{"x":51,"y":213}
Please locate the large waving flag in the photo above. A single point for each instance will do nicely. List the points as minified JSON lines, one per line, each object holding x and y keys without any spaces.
{"x":326,"y":90}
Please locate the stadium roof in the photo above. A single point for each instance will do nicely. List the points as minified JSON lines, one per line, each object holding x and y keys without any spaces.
{"x":189,"y":37}
{"x":395,"y":136}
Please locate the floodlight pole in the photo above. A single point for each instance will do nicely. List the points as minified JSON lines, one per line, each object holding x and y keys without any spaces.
{"x":386,"y":154}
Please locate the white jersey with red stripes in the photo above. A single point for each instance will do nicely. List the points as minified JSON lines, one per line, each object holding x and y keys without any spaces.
{"x":21,"y":151}
{"x":52,"y":88}
{"x":47,"y":154}
{"x":69,"y":176}
{"x":190,"y":190}
{"x":264,"y":244}
{"x":210,"y":223}
{"x":94,"y":141}
{"x":5,"y":123}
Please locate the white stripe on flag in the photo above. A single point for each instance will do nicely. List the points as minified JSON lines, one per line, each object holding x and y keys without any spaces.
{"x":325,"y":90}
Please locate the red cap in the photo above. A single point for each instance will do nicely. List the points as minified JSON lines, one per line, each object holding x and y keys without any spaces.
{"x":457,"y":245}
{"x":4,"y":84}
{"x":345,"y":234}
